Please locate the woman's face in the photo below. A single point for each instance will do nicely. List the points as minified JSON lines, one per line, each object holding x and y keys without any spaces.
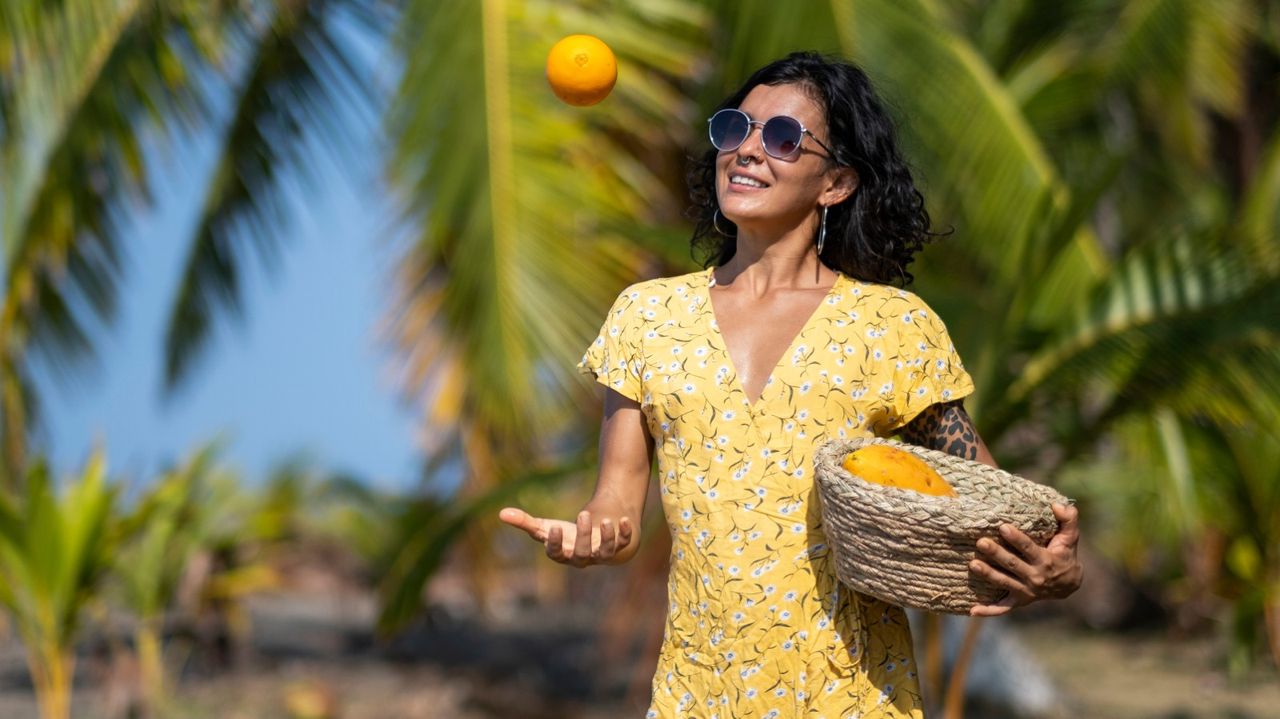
{"x":760,"y":192}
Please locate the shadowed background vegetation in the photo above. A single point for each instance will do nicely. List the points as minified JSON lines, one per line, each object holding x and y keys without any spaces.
{"x":1111,"y":170}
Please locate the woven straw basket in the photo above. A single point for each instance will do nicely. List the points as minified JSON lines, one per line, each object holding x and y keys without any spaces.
{"x":913,"y":549}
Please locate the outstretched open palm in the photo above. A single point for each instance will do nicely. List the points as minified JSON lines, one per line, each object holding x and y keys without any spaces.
{"x":561,"y":538}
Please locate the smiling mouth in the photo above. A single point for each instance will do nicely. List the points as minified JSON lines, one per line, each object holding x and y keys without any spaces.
{"x":746,"y":182}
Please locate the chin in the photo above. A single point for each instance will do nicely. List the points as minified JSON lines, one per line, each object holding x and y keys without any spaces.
{"x":740,"y":215}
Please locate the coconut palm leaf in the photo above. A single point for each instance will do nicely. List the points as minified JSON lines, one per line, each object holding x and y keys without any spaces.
{"x":76,"y":155}
{"x":1181,"y":288}
{"x":983,"y":163}
{"x":54,"y":551}
{"x":532,"y":212}
{"x":160,"y":534}
{"x":754,"y":32}
{"x":428,"y":529}
{"x":1178,"y":55}
{"x":303,"y":74}
{"x":86,"y":76}
{"x":1259,"y":214}
{"x":97,"y":77}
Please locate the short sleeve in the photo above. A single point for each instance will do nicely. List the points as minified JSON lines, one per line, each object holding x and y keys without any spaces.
{"x":615,"y":358}
{"x":927,"y":370}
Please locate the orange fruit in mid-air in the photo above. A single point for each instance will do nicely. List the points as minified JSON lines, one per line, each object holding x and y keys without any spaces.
{"x":894,"y":467}
{"x":581,"y":70}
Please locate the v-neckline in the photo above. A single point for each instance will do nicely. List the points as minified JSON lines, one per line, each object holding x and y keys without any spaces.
{"x":714,"y":324}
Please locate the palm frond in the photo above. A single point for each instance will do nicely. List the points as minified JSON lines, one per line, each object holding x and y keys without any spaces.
{"x":1175,"y":57}
{"x":533,"y":225}
{"x":1159,"y":320}
{"x":775,"y":29}
{"x":86,"y":77}
{"x":304,"y":73}
{"x":1259,"y":213}
{"x":72,"y":151}
{"x":981,"y":159}
{"x":429,"y":529}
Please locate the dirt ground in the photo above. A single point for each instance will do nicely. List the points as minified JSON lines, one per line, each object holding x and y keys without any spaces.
{"x":546,"y":663}
{"x":1148,"y":676}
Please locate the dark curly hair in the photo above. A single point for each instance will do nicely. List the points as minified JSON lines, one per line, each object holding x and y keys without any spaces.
{"x":871,"y":236}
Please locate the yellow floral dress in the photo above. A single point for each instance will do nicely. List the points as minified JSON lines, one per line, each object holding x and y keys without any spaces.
{"x":757,"y":623}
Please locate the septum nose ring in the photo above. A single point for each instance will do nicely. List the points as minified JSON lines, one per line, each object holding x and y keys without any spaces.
{"x":743,"y":161}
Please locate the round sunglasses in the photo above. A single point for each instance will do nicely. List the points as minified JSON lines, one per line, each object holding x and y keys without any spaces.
{"x":780,"y":135}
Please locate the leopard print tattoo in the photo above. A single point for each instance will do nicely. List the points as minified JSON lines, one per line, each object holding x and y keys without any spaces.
{"x":945,"y":427}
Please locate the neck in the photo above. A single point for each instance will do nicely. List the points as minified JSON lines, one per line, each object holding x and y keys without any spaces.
{"x":788,"y":259}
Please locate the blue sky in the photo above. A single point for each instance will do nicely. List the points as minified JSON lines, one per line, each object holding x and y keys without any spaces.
{"x":303,"y":375}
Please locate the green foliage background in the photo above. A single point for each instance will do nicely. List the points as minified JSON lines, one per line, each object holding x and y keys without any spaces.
{"x":1111,"y":169}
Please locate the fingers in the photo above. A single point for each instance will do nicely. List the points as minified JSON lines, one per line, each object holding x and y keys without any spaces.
{"x":624,"y":532}
{"x":579,"y":544}
{"x":1068,"y":525}
{"x":583,"y":540}
{"x":607,"y":540}
{"x":1006,"y":560}
{"x":1011,"y":584}
{"x":1039,"y":573}
{"x":520,"y":519}
{"x":1004,"y":606}
{"x":555,"y":544}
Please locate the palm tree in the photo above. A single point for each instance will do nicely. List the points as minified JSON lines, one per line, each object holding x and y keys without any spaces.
{"x":1111,"y":167}
{"x":54,"y":551}
{"x":532,"y":214}
{"x":1073,"y":149}
{"x":88,"y":89}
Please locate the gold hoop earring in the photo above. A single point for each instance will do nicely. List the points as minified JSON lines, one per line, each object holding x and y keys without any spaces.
{"x":715,"y":222}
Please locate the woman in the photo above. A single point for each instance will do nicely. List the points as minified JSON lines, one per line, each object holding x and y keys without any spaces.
{"x":735,"y":374}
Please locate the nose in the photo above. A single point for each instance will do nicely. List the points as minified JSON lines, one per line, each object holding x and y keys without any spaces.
{"x":752,"y":147}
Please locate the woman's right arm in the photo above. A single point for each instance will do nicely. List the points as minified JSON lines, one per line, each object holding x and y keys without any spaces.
{"x":612,"y":517}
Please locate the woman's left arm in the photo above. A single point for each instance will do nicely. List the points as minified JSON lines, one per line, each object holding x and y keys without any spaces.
{"x":1032,"y":572}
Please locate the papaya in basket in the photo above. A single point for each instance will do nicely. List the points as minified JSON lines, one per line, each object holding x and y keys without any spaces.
{"x":896,"y":468}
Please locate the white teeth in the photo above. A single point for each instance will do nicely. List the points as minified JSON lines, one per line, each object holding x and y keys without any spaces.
{"x":740,"y":180}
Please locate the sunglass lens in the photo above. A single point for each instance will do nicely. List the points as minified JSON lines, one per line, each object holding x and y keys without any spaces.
{"x":728,"y":129}
{"x":781,"y":136}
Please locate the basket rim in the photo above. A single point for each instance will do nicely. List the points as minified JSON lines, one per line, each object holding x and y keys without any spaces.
{"x":833,"y":477}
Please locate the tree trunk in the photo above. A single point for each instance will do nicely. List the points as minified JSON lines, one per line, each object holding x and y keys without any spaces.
{"x":51,"y":672}
{"x":150,"y":667}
